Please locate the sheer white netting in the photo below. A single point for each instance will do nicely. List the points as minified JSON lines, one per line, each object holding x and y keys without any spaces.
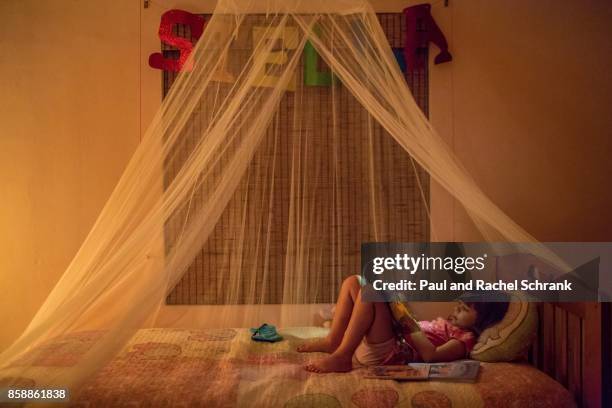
{"x":254,"y":163}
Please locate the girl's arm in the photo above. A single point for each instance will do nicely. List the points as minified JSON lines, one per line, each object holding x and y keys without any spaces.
{"x":449,"y":351}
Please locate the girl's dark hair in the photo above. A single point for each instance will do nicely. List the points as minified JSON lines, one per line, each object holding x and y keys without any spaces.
{"x":488,"y":312}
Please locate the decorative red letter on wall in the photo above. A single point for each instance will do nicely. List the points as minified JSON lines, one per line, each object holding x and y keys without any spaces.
{"x":168,"y":20}
{"x":421,"y":29}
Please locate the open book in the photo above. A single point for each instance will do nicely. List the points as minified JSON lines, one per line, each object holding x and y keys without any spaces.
{"x":463,"y":370}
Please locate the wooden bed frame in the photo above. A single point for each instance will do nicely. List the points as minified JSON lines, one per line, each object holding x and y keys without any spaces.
{"x":570,"y":349}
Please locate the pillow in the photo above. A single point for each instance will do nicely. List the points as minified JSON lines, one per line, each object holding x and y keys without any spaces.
{"x":509,"y":339}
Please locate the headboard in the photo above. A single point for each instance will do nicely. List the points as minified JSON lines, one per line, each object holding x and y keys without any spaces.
{"x":569,"y":348}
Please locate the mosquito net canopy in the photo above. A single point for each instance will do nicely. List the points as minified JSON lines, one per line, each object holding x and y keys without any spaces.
{"x":272,"y":183}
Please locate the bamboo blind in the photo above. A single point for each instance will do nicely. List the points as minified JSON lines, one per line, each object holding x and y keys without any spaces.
{"x":403,"y":212}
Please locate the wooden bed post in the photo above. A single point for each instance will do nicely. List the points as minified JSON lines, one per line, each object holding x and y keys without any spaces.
{"x":570,"y":348}
{"x":606,"y":358}
{"x":592,"y":355}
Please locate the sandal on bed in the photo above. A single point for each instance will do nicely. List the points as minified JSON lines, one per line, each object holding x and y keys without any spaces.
{"x":266,"y":332}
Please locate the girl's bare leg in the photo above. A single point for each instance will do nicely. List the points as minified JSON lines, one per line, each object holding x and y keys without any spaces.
{"x":342,"y":315}
{"x":372,"y":320}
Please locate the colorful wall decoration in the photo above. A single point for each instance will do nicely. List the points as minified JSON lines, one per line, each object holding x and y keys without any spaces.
{"x":284,"y":40}
{"x":421,"y":29}
{"x":168,"y":20}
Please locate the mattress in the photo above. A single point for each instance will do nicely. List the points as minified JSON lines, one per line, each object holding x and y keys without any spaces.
{"x":225,"y":368}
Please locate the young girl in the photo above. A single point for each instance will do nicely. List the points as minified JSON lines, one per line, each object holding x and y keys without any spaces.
{"x":362,"y":333}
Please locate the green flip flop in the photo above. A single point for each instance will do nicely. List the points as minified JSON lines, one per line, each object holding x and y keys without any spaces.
{"x":267,"y":333}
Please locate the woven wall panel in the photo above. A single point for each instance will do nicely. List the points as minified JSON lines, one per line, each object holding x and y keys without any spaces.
{"x":401,"y":210}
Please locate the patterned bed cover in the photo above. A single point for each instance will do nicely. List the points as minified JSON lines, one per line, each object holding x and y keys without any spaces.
{"x":225,"y":368}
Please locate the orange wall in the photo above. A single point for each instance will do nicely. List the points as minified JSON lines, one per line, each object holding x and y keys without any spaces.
{"x":525,"y":103}
{"x":69,"y":117}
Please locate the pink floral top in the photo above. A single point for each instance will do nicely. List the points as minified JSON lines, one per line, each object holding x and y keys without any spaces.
{"x":439,"y":331}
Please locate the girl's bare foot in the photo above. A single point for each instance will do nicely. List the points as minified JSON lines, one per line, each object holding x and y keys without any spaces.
{"x":338,"y":363}
{"x":320,"y":345}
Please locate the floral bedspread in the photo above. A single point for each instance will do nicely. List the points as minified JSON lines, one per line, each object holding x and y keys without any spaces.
{"x":225,"y":368}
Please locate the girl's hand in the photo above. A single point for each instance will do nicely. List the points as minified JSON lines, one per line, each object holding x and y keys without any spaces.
{"x":403,"y":316}
{"x":410,"y":324}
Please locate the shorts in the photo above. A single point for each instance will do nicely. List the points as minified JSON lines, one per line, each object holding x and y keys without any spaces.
{"x":368,"y":354}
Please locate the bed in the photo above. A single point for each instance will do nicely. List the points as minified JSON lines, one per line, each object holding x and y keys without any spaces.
{"x":183,"y":367}
{"x":225,"y":368}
